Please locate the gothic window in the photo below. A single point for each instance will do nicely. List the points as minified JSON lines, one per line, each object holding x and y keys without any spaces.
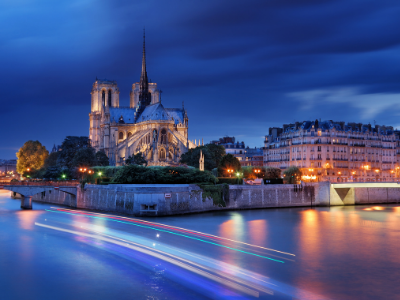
{"x":103,"y":96}
{"x":162,"y":153}
{"x":163,"y":136}
{"x":129,"y":134}
{"x":121,"y":135}
{"x":109,"y":98}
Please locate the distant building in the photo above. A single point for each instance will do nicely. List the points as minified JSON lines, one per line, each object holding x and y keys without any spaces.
{"x":56,"y":148}
{"x":8,"y":167}
{"x":253,"y":157}
{"x":335,"y":151}
{"x":237,"y":149}
{"x":246,"y":156}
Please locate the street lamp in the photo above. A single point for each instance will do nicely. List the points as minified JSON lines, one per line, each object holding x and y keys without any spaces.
{"x":230,"y":171}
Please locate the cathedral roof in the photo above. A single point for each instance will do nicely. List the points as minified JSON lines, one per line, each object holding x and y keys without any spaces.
{"x":127,"y":113}
{"x":176,"y":114}
{"x":154,"y":112}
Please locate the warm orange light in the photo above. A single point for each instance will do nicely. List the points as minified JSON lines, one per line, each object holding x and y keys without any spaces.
{"x":80,"y":169}
{"x":353,"y":172}
{"x":392,"y":171}
{"x":84,"y":170}
{"x":339,"y":173}
{"x":28,"y":169}
{"x":378,"y":208}
{"x":377,"y":171}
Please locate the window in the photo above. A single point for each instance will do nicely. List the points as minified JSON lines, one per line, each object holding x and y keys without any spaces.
{"x":121,"y":135}
{"x":103,"y":96}
{"x":164,"y":136}
{"x":109,"y":98}
{"x":162,"y":153}
{"x":129,"y":134}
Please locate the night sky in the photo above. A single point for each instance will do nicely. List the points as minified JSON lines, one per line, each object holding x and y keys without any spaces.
{"x":239,"y":66}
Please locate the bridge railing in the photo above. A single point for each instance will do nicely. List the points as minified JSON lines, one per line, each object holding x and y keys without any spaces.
{"x":43,"y":183}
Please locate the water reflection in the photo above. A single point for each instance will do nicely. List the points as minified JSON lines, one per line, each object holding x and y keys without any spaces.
{"x":27,"y":218}
{"x":258,"y":231}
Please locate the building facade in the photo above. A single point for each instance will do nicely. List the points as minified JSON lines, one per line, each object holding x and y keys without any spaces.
{"x":145,"y":126}
{"x":247,"y":156}
{"x":335,"y":151}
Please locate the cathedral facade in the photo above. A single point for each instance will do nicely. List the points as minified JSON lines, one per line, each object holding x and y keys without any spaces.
{"x":146,"y":126}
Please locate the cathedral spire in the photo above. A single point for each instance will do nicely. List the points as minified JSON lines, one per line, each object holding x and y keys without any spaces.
{"x":144,"y":83}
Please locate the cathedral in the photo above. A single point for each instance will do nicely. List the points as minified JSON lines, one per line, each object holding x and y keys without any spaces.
{"x":146,"y":126}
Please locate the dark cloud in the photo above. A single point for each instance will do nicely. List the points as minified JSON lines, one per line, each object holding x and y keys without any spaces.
{"x":235,"y":64}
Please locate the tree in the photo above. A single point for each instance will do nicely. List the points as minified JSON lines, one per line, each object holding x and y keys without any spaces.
{"x":84,"y":157}
{"x":69,"y":148}
{"x":31,"y":155}
{"x":137,"y":159}
{"x":292,"y":175}
{"x":102,"y":159}
{"x":272,"y":173}
{"x":228,"y":162}
{"x":51,"y":160}
{"x":212,"y":156}
{"x":217,"y":152}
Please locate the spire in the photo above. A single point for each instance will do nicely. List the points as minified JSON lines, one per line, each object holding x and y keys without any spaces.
{"x":144,"y":82}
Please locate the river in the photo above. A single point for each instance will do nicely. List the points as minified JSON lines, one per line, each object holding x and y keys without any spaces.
{"x":54,"y":252}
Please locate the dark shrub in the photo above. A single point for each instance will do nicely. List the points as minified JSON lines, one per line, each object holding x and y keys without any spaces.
{"x":135,"y":174}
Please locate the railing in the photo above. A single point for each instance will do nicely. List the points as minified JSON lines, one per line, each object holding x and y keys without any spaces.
{"x":44,"y":183}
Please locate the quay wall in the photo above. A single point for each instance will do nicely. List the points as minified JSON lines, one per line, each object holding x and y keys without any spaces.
{"x":162,"y":199}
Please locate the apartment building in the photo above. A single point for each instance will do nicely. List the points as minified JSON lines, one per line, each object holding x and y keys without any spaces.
{"x":335,"y":151}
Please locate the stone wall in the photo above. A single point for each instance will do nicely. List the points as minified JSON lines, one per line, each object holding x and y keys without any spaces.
{"x":151,"y":200}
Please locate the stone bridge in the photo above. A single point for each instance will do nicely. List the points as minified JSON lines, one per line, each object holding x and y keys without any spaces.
{"x":352,"y":193}
{"x":28,"y":191}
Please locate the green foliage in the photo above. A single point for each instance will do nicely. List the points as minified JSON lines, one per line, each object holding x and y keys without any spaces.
{"x":101,"y":159}
{"x":31,"y":155}
{"x":212,"y":156}
{"x":217,"y":152}
{"x":51,"y":160}
{"x":109,"y":171}
{"x":134,"y":174}
{"x":218,"y":193}
{"x":69,"y":148}
{"x":292,"y":175}
{"x":137,"y":159}
{"x":230,"y":180}
{"x":228,"y":162}
{"x":84,"y":157}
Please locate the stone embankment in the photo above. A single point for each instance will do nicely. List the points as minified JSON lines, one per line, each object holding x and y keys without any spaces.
{"x":163,"y":199}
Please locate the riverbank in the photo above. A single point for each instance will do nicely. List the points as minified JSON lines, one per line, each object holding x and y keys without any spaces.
{"x":164,"y":199}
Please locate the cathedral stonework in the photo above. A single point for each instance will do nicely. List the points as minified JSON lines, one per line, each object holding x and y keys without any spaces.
{"x":160,"y":134}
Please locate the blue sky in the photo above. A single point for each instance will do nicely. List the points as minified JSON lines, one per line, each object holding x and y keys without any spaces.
{"x":239,"y":66}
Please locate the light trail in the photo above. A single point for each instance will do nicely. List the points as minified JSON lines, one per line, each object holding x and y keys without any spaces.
{"x":163,"y":230}
{"x":173,"y":227}
{"x":156,"y":253}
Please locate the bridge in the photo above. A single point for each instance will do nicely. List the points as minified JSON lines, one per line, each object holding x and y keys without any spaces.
{"x":351,"y":193}
{"x":29,"y":189}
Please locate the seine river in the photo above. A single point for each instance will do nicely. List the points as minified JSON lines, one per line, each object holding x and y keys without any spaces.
{"x":293,"y":253}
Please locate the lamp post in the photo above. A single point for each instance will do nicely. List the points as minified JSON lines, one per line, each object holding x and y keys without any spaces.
{"x":230,"y":171}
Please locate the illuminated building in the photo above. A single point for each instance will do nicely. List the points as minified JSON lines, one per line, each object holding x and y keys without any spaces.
{"x":335,"y":151}
{"x":146,"y":126}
